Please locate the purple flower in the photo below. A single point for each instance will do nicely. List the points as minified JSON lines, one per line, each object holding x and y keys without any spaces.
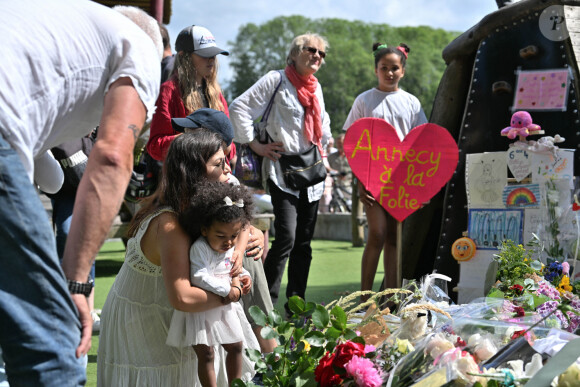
{"x":363,"y":372}
{"x":547,"y":289}
{"x":546,"y":308}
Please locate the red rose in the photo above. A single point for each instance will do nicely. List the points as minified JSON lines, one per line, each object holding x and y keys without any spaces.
{"x":518,"y":289}
{"x":324,"y":374}
{"x":518,"y":334}
{"x":344,"y":352}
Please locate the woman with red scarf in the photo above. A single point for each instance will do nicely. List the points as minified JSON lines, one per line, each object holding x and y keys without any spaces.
{"x":296,"y":121}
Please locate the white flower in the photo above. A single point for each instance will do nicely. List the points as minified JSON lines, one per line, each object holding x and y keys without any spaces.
{"x":570,"y":377}
{"x":485,"y":349}
{"x":518,"y":367}
{"x":553,"y":196}
{"x":474,"y":340}
{"x":438,"y":345}
{"x":534,"y":366}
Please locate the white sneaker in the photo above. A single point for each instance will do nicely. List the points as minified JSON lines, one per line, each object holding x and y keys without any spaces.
{"x":96,"y":321}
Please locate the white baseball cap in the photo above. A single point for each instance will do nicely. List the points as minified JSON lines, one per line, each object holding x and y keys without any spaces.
{"x":198,"y":40}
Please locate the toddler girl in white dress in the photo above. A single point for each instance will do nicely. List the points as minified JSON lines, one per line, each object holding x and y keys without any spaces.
{"x":216,"y":216}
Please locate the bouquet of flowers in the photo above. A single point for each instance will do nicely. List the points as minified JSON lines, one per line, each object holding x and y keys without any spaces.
{"x":321,"y":345}
{"x":527,"y":285}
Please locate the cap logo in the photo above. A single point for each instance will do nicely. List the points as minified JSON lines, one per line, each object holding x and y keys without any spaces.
{"x":206,"y":40}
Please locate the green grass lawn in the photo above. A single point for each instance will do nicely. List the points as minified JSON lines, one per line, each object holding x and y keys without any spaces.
{"x":335,"y":271}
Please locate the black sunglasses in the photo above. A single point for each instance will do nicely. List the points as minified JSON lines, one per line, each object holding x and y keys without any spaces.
{"x":313,"y":51}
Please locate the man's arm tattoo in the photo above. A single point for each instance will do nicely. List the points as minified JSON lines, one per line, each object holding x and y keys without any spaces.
{"x":136,"y":131}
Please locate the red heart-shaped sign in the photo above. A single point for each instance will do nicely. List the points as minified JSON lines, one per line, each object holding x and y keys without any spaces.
{"x":401,"y":175}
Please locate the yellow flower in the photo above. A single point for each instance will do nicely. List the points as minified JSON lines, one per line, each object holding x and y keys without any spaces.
{"x":564,"y":285}
{"x":404,"y":346}
{"x":306,"y":345}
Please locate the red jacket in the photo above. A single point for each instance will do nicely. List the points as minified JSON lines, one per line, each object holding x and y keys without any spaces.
{"x":169,"y":105}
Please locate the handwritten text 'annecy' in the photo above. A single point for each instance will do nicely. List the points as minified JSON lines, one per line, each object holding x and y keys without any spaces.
{"x":392,"y":154}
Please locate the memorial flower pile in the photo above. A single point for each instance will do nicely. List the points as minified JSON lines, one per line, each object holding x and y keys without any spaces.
{"x":320,"y":345}
{"x":528,"y":285}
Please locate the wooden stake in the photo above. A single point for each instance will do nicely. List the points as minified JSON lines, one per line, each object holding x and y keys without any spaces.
{"x":399,"y":254}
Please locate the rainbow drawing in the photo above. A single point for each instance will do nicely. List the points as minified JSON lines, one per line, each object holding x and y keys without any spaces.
{"x":522,"y":195}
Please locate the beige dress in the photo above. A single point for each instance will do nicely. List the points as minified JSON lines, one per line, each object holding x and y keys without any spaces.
{"x":134,"y":325}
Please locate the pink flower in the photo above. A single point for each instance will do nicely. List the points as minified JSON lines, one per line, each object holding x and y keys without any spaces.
{"x":369,"y":348}
{"x":565,"y":268}
{"x":363,"y":372}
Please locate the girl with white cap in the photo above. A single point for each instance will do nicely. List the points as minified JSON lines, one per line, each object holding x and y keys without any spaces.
{"x":193,"y":85}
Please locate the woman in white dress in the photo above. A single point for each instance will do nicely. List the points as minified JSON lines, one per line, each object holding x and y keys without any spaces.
{"x":154,"y":279}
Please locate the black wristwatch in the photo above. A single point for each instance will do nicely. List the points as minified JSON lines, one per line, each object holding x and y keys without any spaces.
{"x":83,"y":288}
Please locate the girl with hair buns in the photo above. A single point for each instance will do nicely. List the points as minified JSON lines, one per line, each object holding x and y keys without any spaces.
{"x":403,"y":111}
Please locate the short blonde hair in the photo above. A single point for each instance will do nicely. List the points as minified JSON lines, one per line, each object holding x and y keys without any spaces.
{"x":149,"y":25}
{"x":298,"y":44}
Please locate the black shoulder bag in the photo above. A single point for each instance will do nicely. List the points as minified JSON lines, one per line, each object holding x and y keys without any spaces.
{"x":304,"y":169}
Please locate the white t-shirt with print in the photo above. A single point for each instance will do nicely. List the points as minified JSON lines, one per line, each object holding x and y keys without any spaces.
{"x":399,"y":108}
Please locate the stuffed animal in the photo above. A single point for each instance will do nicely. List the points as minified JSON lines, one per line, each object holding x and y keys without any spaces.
{"x":521,"y":125}
{"x":546,"y":143}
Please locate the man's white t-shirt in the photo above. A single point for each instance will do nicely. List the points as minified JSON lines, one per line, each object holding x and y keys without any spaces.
{"x":59,"y":59}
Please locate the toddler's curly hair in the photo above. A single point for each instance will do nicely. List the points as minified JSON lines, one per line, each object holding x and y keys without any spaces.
{"x":208,"y":205}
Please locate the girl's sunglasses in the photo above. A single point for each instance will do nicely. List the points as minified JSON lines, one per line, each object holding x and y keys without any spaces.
{"x":313,"y":51}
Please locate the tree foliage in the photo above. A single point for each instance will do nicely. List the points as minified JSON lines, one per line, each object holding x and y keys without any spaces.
{"x":349,"y":67}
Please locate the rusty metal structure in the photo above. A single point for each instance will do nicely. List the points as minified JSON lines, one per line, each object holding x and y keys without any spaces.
{"x":474,"y":103}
